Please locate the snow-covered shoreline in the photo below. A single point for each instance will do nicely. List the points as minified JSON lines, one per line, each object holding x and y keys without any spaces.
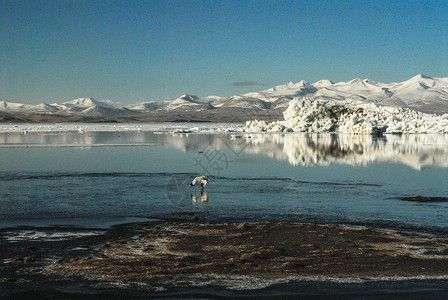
{"x":306,"y":116}
{"x":350,"y":116}
{"x":177,"y":127}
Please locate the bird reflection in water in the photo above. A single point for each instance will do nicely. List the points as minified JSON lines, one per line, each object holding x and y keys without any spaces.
{"x":202,"y":199}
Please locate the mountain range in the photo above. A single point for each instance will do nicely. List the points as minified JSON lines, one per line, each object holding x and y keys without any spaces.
{"x":422,"y":93}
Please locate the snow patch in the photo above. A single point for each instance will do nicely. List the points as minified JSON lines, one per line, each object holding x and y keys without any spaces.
{"x":46,"y":236}
{"x":89,"y":102}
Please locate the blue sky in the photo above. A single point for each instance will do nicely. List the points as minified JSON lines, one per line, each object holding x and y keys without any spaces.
{"x":134,"y":51}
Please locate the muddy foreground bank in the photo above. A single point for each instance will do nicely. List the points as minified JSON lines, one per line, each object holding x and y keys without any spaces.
{"x":151,"y":257}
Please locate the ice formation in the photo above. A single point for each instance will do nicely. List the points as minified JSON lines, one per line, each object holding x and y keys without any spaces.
{"x":350,"y":116}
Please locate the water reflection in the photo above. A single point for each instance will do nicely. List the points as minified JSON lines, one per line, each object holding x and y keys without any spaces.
{"x":153,"y":181}
{"x":201,"y":198}
{"x":76,"y":138}
{"x":417,"y":151}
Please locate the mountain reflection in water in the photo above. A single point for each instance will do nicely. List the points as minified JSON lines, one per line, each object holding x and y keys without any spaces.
{"x":415,"y":150}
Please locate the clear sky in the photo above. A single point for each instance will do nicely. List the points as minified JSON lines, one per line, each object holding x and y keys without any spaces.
{"x":134,"y":51}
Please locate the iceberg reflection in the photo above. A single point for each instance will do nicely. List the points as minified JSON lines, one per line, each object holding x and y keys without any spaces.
{"x":417,"y":150}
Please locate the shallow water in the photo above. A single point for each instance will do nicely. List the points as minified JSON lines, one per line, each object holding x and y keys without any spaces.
{"x":74,"y":178}
{"x":100,"y":176}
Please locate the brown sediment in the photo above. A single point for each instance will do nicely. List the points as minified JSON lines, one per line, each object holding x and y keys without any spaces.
{"x":162,"y":254}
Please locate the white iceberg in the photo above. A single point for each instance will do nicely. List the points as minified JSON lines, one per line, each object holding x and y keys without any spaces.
{"x":350,"y":116}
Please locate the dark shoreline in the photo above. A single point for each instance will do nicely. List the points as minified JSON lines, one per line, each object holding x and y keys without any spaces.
{"x":221,"y":115}
{"x":163,"y":259}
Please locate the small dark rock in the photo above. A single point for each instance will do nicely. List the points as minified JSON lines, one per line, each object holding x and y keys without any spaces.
{"x":425,"y":199}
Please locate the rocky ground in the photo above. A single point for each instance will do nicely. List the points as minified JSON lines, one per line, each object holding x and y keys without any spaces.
{"x":157,"y":257}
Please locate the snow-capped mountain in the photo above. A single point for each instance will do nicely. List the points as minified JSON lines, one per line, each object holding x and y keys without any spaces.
{"x":89,"y":102}
{"x":244,"y":101}
{"x":290,"y":90}
{"x":18,"y":108}
{"x":422,"y":93}
{"x":188,"y":102}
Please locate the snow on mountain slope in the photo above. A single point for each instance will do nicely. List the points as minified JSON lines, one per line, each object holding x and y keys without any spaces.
{"x":281,"y":103}
{"x":322,"y":83}
{"x":147,"y":106}
{"x":422,"y":93}
{"x":333,"y":94}
{"x":211,"y":99}
{"x":241,"y":102}
{"x":360,"y":87}
{"x":11,"y":107}
{"x":88,"y":107}
{"x":291,"y":90}
{"x":100,"y":111}
{"x":89,"y":102}
{"x":187,"y":102}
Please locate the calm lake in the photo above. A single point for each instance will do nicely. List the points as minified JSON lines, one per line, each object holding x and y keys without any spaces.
{"x":92,"y":178}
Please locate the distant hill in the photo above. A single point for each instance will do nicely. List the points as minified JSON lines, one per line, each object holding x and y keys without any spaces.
{"x":421,"y":93}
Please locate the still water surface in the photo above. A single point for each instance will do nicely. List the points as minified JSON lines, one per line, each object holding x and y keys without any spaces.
{"x":75,"y":178}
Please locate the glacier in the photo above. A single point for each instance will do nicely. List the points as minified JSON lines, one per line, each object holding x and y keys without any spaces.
{"x":350,"y":116}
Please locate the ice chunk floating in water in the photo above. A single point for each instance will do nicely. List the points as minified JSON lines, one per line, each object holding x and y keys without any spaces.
{"x":351,"y":116}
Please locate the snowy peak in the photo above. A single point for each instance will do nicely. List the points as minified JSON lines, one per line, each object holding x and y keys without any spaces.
{"x":415,"y":84}
{"x":358,"y":84}
{"x":188,"y":103}
{"x":425,"y":82}
{"x":420,"y":76}
{"x":322,"y":83}
{"x":291,"y":90}
{"x":368,"y":80}
{"x":289,"y":86}
{"x":88,"y":102}
{"x":187,"y":98}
